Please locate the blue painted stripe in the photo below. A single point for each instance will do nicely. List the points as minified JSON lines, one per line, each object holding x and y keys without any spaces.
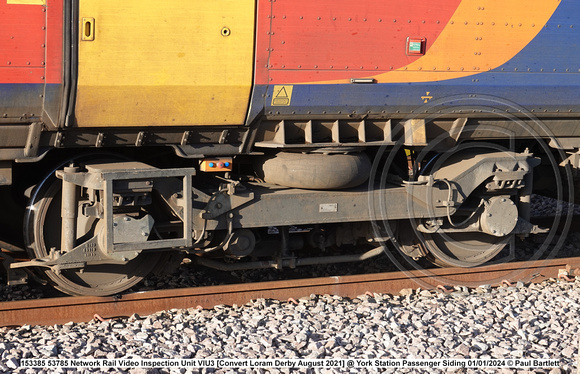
{"x":19,"y":99}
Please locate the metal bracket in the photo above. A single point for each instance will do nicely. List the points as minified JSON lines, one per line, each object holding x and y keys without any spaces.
{"x":140,"y":139}
{"x":225,"y":201}
{"x":91,"y":252}
{"x":415,"y":132}
{"x":522,"y":227}
{"x":58,"y":139}
{"x":525,"y":227}
{"x":130,"y":230}
{"x":100,"y":140}
{"x":185,"y":137}
{"x":33,"y":140}
{"x":86,"y":253}
{"x":107,"y":177}
{"x":574,"y":161}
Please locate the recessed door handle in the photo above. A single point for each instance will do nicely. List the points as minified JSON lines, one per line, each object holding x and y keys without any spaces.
{"x":88,"y":29}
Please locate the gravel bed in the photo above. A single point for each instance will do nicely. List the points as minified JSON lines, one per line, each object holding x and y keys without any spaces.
{"x":547,"y":206}
{"x":528,"y":321}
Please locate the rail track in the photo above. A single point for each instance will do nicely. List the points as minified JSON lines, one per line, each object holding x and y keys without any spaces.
{"x":82,"y":309}
{"x":60,"y":310}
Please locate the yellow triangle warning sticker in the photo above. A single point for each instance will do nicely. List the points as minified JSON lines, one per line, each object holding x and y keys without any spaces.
{"x":282,"y":95}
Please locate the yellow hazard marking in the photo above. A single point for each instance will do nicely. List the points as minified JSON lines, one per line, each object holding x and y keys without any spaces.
{"x":282,"y":95}
{"x":427,"y":97}
{"x":27,"y":2}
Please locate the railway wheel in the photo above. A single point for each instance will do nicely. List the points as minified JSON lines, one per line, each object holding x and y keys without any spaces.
{"x":468,"y":249}
{"x":462,"y":249}
{"x":42,"y":231}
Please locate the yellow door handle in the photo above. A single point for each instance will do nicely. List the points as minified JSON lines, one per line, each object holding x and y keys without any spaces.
{"x":88,"y":29}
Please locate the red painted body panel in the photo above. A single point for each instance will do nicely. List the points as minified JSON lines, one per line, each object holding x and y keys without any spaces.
{"x":27,"y":48}
{"x":264,"y":9}
{"x":54,"y":37}
{"x":26,"y":75}
{"x":326,"y":40}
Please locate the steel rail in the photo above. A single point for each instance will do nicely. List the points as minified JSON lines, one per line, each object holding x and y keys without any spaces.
{"x":83,"y":309}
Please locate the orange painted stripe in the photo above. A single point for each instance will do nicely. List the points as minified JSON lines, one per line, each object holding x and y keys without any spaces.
{"x":480,"y":36}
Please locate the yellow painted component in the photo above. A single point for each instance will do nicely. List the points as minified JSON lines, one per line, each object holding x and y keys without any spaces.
{"x":88,"y":29}
{"x":216,"y":164}
{"x":427,"y":97}
{"x":282,"y":95}
{"x":159,"y":63}
{"x":26,"y":2}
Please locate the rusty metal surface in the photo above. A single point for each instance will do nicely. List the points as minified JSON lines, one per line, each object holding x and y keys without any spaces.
{"x":82,"y":309}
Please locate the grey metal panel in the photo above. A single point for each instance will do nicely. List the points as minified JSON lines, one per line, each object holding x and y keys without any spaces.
{"x":275,"y":206}
{"x":13,"y":136}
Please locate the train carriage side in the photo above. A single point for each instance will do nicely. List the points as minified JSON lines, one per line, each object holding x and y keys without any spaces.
{"x":133,"y":133}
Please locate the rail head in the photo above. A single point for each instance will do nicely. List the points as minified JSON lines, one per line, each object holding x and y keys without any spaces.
{"x":82,"y":309}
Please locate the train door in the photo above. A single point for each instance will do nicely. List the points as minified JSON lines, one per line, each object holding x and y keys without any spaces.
{"x":164,"y":63}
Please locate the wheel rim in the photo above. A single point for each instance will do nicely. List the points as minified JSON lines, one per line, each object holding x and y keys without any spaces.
{"x":462,"y":249}
{"x":43,"y":231}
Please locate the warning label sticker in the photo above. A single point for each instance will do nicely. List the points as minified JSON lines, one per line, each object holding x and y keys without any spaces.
{"x":282,"y":95}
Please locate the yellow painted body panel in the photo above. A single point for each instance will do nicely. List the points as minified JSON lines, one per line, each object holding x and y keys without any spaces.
{"x":165,"y":63}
